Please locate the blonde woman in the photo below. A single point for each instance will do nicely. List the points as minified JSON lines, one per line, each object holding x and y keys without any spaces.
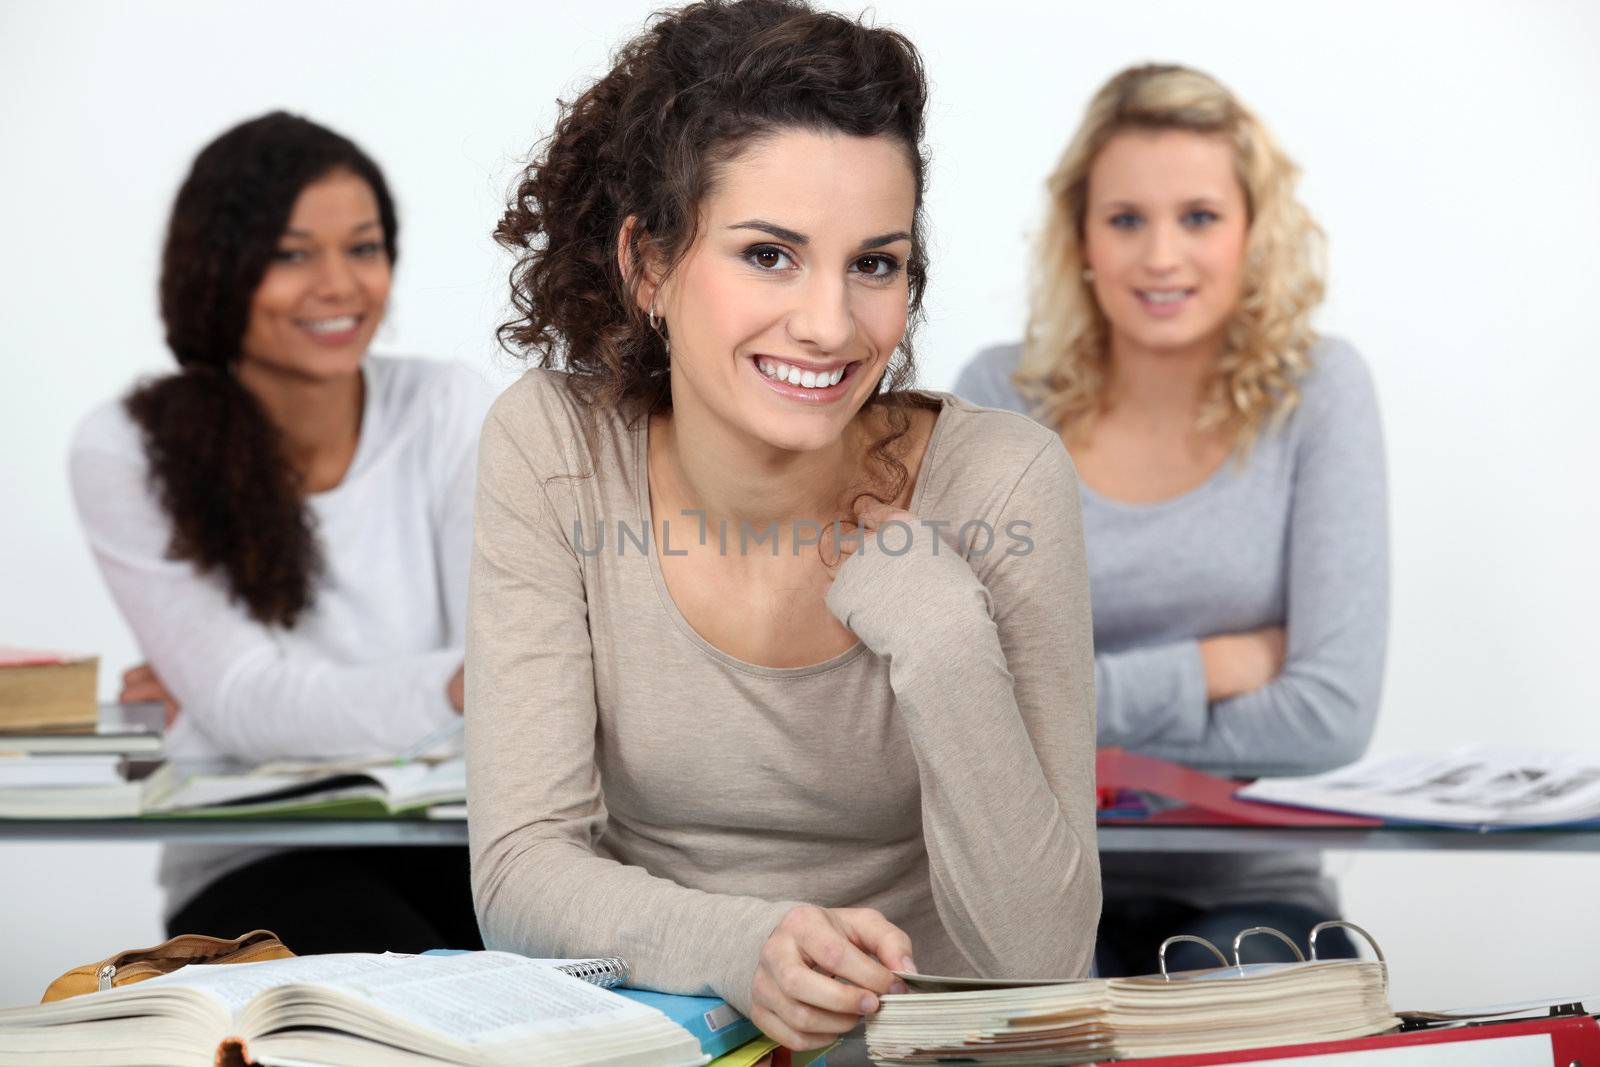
{"x":1232,"y":477}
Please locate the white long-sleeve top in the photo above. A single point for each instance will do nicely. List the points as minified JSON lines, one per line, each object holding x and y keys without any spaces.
{"x":365,"y":669}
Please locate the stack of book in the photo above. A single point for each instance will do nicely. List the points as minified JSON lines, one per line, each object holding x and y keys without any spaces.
{"x":1091,"y":1020}
{"x":47,"y":690}
{"x":62,"y":755}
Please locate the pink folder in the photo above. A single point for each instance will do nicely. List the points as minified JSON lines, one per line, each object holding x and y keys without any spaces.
{"x":1204,"y":799}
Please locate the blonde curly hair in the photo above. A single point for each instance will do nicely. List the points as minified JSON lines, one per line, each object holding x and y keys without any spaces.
{"x":1062,"y":371}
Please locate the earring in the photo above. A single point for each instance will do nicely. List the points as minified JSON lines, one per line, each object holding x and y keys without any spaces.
{"x":1088,"y":274}
{"x":655,"y":327}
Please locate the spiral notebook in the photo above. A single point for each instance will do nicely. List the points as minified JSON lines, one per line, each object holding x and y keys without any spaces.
{"x":606,"y":972}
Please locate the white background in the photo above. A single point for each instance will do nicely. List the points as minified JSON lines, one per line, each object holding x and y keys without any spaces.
{"x":1451,"y":150}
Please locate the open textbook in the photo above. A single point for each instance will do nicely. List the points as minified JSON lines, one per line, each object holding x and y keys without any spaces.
{"x":1092,"y":1020}
{"x":1475,"y":787}
{"x":221,"y":789}
{"x":312,"y":789}
{"x":358,"y":1009}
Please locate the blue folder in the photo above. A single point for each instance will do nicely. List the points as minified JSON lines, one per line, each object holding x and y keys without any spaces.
{"x":715,"y":1023}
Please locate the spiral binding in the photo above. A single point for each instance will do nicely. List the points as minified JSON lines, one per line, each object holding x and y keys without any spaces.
{"x":605,"y":973}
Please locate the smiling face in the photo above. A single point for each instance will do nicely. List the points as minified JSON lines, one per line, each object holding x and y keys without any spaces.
{"x":1164,"y":232}
{"x":786,"y":309}
{"x":323,"y":295}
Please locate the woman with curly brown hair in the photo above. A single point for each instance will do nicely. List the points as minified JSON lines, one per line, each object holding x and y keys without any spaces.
{"x":700,"y":737}
{"x":284,"y":524}
{"x":1232,"y":470}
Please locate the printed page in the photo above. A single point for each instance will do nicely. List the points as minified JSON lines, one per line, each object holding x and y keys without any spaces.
{"x":423,"y":783}
{"x":1467,"y":787}
{"x":486,"y":998}
{"x":211,"y":783}
{"x":474,"y":997}
{"x":205,"y":783}
{"x":233,"y":984}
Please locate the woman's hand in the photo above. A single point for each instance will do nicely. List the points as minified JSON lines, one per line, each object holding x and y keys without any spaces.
{"x":457,"y":689}
{"x":871,"y":516}
{"x":1241,"y":663}
{"x":140,"y":685}
{"x":821,"y":970}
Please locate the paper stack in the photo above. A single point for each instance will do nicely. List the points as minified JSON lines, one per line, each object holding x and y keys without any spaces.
{"x":1090,"y":1020}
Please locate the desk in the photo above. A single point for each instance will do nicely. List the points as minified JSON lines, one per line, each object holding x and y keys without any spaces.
{"x":351,"y":832}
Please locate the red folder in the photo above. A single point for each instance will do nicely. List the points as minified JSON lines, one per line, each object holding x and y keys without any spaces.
{"x":1570,"y":1040}
{"x":1206,"y":800}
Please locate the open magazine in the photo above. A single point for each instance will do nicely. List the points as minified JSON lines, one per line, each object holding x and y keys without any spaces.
{"x":1476,"y":787}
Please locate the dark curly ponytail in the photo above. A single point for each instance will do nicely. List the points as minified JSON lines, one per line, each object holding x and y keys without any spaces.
{"x":646,"y":140}
{"x":215,"y":458}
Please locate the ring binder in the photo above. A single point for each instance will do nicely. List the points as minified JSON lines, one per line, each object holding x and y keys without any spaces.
{"x":1161,"y":953}
{"x":1190,"y":1015}
{"x":1311,"y":939}
{"x":1238,"y":940}
{"x":1368,"y":938}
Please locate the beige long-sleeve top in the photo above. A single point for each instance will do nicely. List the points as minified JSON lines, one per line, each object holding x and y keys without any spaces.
{"x":634,"y":791}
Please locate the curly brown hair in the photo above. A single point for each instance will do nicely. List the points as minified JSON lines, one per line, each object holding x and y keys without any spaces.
{"x":216,"y":460}
{"x":682,"y":99}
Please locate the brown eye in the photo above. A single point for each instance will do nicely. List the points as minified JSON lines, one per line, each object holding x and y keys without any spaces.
{"x":877,"y":266}
{"x":767,"y":257}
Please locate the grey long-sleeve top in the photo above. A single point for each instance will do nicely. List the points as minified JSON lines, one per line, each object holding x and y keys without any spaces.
{"x":635,"y":791}
{"x":1296,"y":537}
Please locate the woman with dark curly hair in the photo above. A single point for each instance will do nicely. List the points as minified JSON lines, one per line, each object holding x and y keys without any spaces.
{"x":284,"y":524}
{"x":778,"y":671}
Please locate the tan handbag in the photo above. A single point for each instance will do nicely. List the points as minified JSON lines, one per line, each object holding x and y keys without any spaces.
{"x":137,"y":964}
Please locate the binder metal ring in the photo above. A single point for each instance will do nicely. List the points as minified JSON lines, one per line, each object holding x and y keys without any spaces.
{"x":1161,"y":953}
{"x":1368,"y":938}
{"x":1279,"y":934}
{"x":1315,"y":930}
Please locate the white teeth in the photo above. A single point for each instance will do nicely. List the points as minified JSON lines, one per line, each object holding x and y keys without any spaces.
{"x":338,"y":325}
{"x":806,"y":379}
{"x":1164,"y":296}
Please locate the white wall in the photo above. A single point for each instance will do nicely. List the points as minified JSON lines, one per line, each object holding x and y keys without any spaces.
{"x":1450,"y":151}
